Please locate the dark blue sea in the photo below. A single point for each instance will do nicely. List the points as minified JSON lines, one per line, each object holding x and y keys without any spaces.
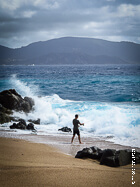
{"x":106,"y":97}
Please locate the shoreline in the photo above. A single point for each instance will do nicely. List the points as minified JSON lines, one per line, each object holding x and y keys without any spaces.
{"x":62,"y":142}
{"x":37,"y":164}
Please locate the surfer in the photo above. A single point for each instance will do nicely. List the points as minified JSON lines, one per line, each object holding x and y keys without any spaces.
{"x":76,"y":124}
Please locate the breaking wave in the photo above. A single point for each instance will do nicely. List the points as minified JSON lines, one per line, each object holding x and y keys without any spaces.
{"x":120,"y":121}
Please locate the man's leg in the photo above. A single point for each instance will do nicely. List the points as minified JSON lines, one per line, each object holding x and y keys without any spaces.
{"x":72,"y":138}
{"x":79,"y":139}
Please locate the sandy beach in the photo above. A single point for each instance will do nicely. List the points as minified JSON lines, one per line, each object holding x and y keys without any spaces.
{"x":24,"y":163}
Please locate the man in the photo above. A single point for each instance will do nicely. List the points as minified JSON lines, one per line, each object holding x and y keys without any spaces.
{"x":76,"y":123}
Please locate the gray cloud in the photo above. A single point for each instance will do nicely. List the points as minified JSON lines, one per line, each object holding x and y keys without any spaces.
{"x":23,"y":22}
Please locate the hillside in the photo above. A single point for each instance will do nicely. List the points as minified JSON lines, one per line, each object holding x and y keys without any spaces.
{"x":72,"y":50}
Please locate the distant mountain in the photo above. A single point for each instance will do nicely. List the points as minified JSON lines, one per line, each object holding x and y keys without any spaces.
{"x":72,"y":50}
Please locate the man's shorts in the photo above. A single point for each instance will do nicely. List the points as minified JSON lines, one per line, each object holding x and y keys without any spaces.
{"x":76,"y":132}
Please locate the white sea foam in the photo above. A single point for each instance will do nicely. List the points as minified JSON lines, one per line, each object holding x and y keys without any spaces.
{"x":120,"y":121}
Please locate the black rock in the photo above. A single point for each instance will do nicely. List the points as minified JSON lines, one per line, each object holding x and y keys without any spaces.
{"x":5,"y":110}
{"x":97,"y":152}
{"x":22,"y":125}
{"x":115,"y":158}
{"x":37,"y":122}
{"x":85,"y":153}
{"x":30,"y":101}
{"x":124,"y":157}
{"x":10,"y":99}
{"x":109,"y":157}
{"x":5,"y":115}
{"x":30,"y":126}
{"x":137,"y":157}
{"x":112,"y":161}
{"x":107,"y":153}
{"x":4,"y":118}
{"x":22,"y":121}
{"x":65,"y":129}
{"x":134,"y":155}
{"x":92,"y":152}
{"x":13,"y":126}
{"x":19,"y":125}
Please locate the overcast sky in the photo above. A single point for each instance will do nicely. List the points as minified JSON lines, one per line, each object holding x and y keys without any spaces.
{"x":25,"y":21}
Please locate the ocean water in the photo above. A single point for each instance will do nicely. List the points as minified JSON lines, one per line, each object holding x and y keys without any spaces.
{"x":106,"y":97}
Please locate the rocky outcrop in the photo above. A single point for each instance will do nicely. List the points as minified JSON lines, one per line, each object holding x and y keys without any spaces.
{"x":109,"y":157}
{"x":11,"y":100}
{"x":65,"y":129}
{"x":5,"y":115}
{"x":4,"y":118}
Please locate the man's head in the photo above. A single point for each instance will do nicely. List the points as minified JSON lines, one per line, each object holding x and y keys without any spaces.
{"x":76,"y":116}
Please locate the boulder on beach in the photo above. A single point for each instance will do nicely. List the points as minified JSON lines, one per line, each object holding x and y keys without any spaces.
{"x":109,"y":157}
{"x":92,"y":152}
{"x":65,"y":129}
{"x":10,"y":99}
{"x":115,"y":158}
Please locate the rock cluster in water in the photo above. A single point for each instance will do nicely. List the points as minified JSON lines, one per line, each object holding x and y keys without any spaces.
{"x":22,"y":125}
{"x":109,"y":157}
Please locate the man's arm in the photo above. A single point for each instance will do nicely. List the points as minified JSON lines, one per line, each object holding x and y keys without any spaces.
{"x":81,"y":123}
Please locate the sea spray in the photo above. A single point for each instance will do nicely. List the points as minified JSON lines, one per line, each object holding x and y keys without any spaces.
{"x":23,"y":87}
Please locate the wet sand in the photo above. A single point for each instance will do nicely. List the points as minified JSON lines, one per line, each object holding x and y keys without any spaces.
{"x":62,"y":142}
{"x":24,"y":163}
